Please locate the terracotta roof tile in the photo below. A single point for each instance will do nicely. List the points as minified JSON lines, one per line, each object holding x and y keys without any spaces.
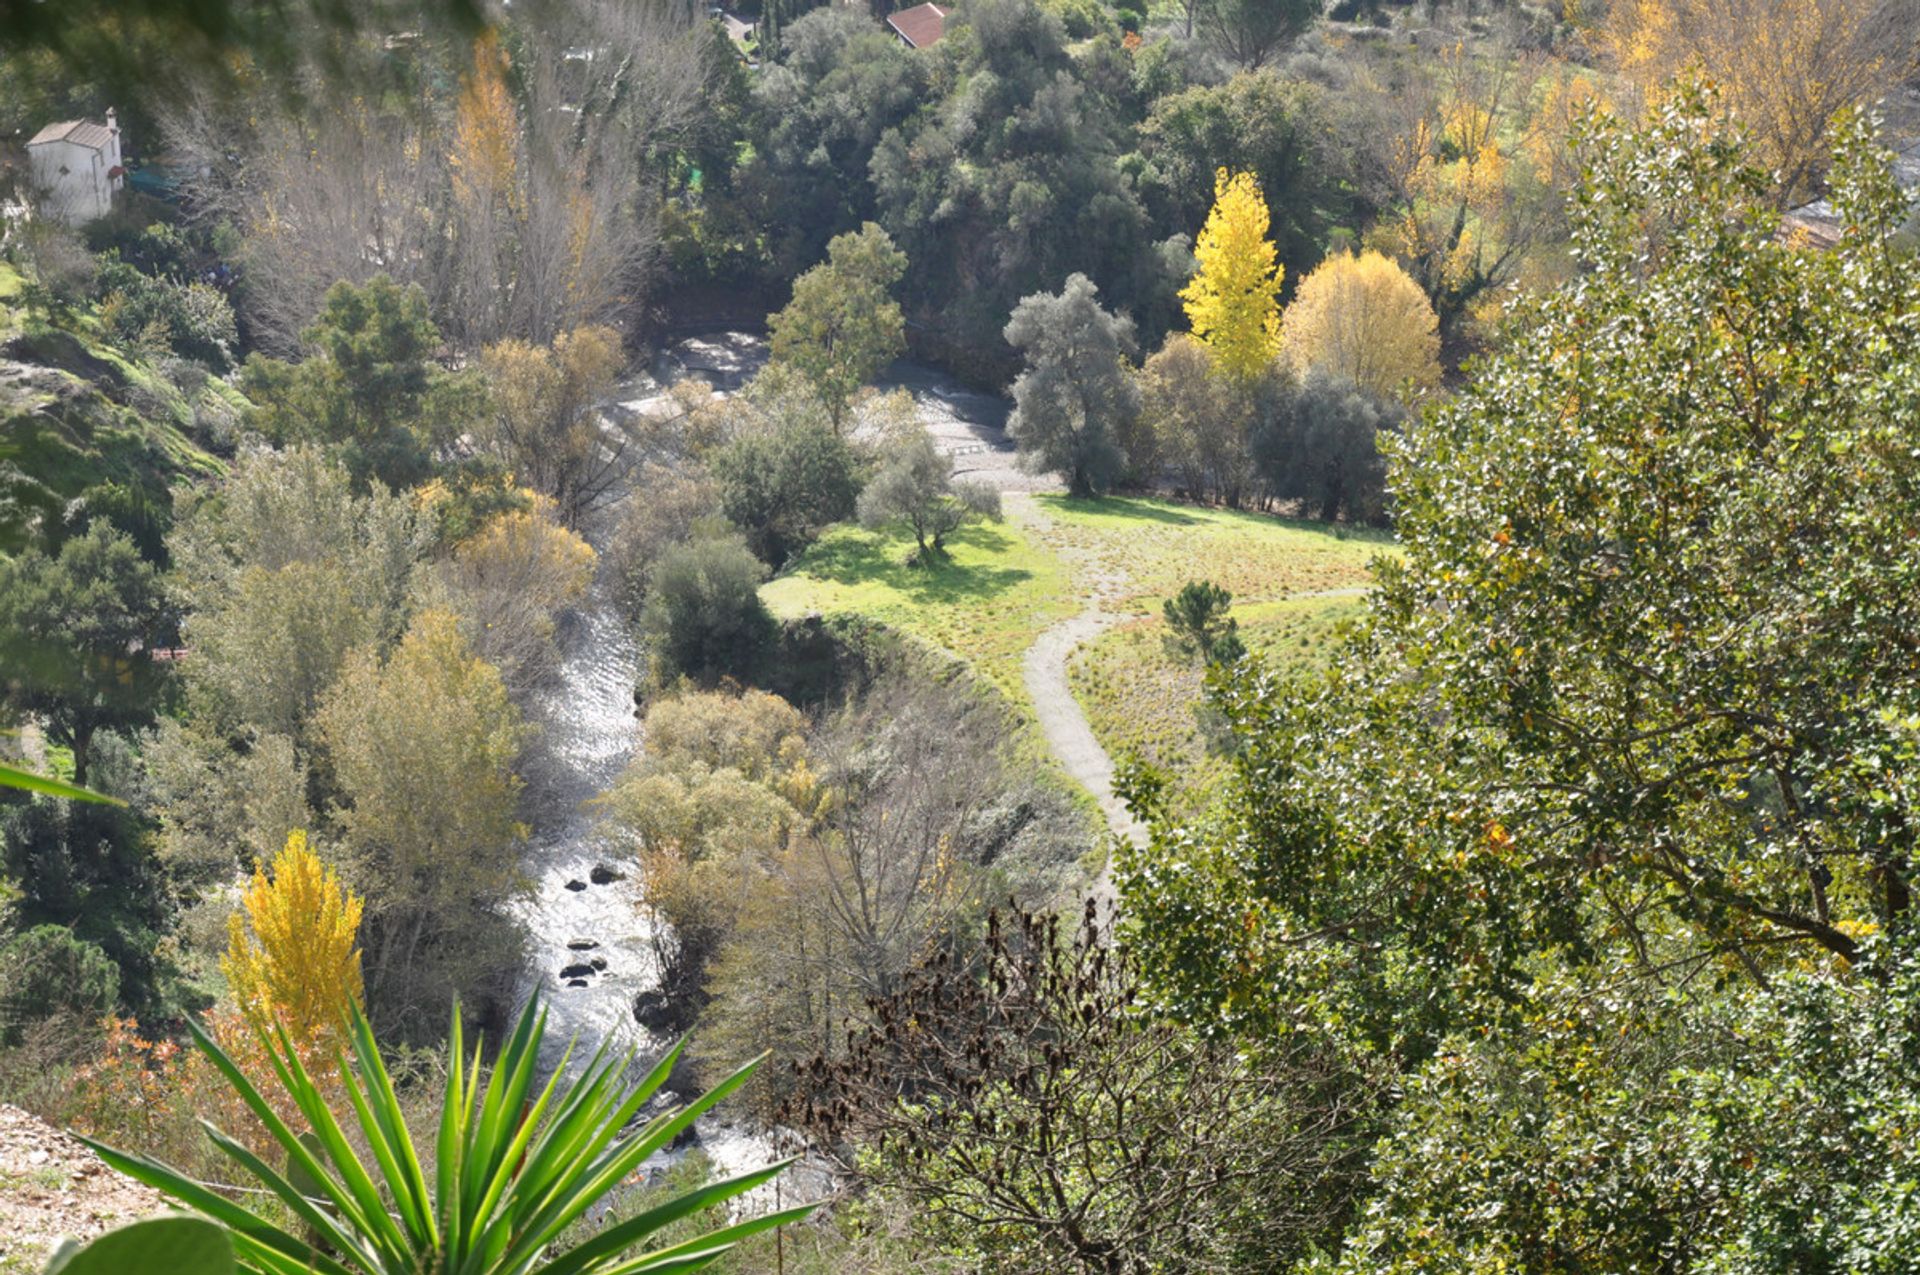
{"x":921,"y":25}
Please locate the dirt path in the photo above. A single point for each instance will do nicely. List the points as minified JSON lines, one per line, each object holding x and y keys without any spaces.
{"x":1067,"y":731}
{"x":53,"y":1188}
{"x":1065,"y":727}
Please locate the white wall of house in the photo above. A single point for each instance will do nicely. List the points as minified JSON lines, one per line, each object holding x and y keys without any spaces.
{"x":74,"y":180}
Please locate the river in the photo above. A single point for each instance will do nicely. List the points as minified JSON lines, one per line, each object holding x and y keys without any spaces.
{"x":589,"y":933}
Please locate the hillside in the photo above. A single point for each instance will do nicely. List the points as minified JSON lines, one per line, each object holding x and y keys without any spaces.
{"x":80,"y":419}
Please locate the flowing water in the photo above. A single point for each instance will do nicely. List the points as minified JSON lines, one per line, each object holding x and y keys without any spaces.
{"x":590,"y":951}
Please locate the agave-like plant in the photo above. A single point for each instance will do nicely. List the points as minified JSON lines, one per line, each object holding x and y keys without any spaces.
{"x":507,"y":1178}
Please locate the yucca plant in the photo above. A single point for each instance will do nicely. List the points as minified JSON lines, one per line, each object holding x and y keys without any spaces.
{"x":507,"y":1178}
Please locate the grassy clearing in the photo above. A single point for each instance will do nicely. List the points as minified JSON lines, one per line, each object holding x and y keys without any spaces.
{"x":1140,"y":696}
{"x":1149,"y":548}
{"x":1051,"y":559}
{"x":985,"y":604}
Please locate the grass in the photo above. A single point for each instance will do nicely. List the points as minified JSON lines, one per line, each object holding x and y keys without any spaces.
{"x":985,"y":604}
{"x":1294,"y":584}
{"x":1140,"y":696}
{"x":1149,"y":548}
{"x":88,"y":414}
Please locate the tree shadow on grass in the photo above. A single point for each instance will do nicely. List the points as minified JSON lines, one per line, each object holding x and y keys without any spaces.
{"x":869,"y":559}
{"x":1118,"y":507}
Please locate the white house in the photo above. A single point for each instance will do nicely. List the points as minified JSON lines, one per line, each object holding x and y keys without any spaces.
{"x":76,"y":168}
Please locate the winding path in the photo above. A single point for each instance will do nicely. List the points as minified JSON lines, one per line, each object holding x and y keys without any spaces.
{"x":970,"y":427}
{"x":1065,"y":727}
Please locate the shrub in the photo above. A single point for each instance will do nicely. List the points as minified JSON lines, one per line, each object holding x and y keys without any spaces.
{"x":47,"y":971}
{"x":704,"y":619}
{"x":191,"y":319}
{"x":781,"y":485}
{"x":662,"y":515}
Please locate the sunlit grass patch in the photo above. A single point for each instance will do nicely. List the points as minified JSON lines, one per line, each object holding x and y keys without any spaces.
{"x":1149,"y":548}
{"x":1140,"y":696}
{"x":985,"y":603}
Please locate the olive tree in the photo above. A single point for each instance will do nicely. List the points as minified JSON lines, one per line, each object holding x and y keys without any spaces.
{"x":1077,"y":395}
{"x":915,"y":486}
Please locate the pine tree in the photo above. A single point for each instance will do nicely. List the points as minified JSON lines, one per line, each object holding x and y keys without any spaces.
{"x":1231,"y":299}
{"x":292,"y":959}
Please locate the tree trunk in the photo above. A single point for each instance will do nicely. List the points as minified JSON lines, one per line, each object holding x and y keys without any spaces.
{"x":82,"y":753}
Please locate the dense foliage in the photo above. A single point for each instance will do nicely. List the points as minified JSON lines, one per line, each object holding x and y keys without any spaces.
{"x":1550,"y":909}
{"x":1619,"y":771}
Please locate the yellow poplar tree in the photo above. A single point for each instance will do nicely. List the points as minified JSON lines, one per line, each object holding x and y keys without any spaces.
{"x":292,"y":958}
{"x":1231,"y":301}
{"x":486,"y":129}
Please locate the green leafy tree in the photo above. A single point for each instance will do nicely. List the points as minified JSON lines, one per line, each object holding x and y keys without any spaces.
{"x":842,"y":325}
{"x":1640,"y":692}
{"x":1704,"y":1170}
{"x":915,"y":486}
{"x":818,"y":113}
{"x":781,"y":482}
{"x":89,"y":868}
{"x":1077,"y":394}
{"x":1011,"y":187}
{"x":284,"y":570}
{"x":192,"y":320}
{"x":75,"y":636}
{"x":703,"y":617}
{"x":1323,"y":447}
{"x":1258,"y":123}
{"x":368,"y":383}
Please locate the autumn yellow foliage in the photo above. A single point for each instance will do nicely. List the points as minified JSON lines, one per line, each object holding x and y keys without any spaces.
{"x":1784,"y":68}
{"x":1232,"y":301}
{"x":486,"y":130}
{"x":1364,"y":318}
{"x":292,"y":950}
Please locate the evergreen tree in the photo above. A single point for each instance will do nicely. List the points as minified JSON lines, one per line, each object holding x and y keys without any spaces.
{"x":74,"y":636}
